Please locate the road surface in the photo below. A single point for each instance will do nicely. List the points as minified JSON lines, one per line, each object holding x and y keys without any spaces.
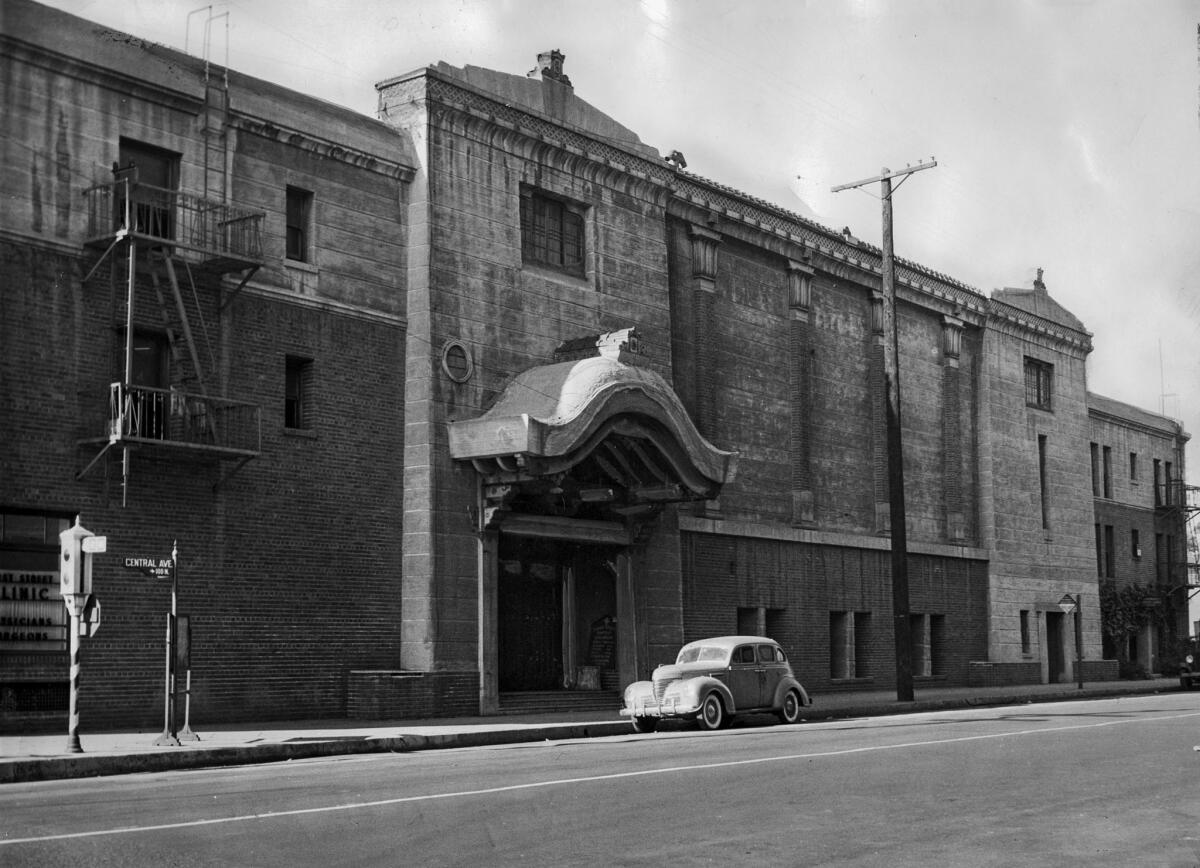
{"x":1102,"y":782}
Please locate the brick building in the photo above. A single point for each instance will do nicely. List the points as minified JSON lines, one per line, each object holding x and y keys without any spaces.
{"x":1141,"y":515}
{"x":484,"y":398}
{"x":237,"y":392}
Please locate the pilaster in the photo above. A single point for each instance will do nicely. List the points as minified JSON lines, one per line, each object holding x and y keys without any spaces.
{"x":800,"y":276}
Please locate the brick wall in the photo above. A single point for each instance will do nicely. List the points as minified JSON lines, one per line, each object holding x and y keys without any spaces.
{"x":804,"y":583}
{"x":288,"y":571}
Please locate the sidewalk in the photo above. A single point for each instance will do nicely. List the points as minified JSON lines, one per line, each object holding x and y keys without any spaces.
{"x":45,"y":757}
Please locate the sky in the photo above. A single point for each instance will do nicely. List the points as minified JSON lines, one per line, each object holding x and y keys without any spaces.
{"x":1066,"y":132}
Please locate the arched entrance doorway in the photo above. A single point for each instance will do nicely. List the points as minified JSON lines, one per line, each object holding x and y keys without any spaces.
{"x":575,"y":464}
{"x":557,"y":615}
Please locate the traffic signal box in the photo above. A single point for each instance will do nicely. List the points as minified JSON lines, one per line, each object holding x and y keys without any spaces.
{"x":75,"y":567}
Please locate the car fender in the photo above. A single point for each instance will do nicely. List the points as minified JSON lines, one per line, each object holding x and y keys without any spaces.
{"x":697,"y":688}
{"x":637,"y":690}
{"x":786,"y":684}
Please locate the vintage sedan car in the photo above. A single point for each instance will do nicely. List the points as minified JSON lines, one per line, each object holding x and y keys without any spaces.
{"x":713,"y":679}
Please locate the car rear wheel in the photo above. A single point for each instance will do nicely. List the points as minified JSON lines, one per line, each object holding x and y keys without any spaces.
{"x":712,"y":713}
{"x":789,"y":712}
{"x":645,"y":724}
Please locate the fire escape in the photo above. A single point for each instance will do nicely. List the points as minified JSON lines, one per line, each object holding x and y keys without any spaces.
{"x":169,"y":254}
{"x":1178,"y":506}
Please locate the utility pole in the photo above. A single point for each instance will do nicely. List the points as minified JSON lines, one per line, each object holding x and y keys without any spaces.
{"x":895,"y":454}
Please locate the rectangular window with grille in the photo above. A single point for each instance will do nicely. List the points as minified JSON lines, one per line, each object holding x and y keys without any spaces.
{"x":1039,"y":383}
{"x":552,"y":233}
{"x":298,"y":385}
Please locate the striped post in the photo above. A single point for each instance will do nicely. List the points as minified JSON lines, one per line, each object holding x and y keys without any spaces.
{"x":73,"y":745}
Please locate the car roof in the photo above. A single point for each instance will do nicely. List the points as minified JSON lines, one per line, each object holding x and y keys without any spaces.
{"x":733,"y":641}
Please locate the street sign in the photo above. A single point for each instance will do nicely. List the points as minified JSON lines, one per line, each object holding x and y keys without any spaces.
{"x":1067,"y":604}
{"x":157,"y":568}
{"x":95,"y":545}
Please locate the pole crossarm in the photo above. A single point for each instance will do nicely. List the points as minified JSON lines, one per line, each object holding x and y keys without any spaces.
{"x":885,"y":175}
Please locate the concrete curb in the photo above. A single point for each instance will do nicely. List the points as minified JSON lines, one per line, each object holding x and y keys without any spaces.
{"x":84,"y":765}
{"x":884,"y":709}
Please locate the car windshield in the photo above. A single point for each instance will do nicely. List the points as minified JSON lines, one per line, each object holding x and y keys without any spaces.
{"x":703,"y":654}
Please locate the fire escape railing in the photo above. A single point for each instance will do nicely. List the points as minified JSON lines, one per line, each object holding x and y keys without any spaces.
{"x":206,"y":228}
{"x":173,"y":417}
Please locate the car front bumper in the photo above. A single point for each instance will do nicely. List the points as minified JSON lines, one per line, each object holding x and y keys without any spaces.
{"x":671,"y":706}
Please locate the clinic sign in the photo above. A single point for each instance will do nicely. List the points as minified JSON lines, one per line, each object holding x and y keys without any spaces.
{"x":155,"y":568}
{"x":32,"y":617}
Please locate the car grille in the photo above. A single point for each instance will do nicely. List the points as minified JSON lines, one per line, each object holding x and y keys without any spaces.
{"x":660,"y":687}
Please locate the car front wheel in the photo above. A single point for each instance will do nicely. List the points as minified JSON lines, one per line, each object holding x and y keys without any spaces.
{"x":645,"y":724}
{"x":789,"y":712}
{"x":712,"y":713}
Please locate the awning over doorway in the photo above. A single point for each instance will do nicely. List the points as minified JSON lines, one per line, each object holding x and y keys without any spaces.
{"x":599,"y":427}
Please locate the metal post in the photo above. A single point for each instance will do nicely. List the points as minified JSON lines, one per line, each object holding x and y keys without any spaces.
{"x":174,"y":635}
{"x":1079,"y":639}
{"x":186,"y":733}
{"x":73,"y":745}
{"x":127,"y":403}
{"x":170,"y":730}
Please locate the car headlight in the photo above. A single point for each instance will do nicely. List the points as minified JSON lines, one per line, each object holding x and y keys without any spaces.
{"x":1188,"y":659}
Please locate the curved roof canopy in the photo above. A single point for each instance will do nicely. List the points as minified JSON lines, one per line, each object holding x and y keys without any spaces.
{"x":599,"y":422}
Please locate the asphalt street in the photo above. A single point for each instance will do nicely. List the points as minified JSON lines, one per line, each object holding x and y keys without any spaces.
{"x":1103,"y":782}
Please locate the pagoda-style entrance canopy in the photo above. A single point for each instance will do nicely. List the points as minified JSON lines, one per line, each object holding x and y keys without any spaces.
{"x":593,"y":438}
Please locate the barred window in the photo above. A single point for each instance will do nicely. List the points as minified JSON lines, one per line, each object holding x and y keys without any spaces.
{"x":552,"y":233}
{"x":1039,"y":382}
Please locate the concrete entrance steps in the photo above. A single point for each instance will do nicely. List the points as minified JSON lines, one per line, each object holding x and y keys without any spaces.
{"x":538,"y":701}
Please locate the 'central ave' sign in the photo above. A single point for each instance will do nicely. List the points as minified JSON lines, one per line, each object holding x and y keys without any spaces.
{"x":159,"y":568}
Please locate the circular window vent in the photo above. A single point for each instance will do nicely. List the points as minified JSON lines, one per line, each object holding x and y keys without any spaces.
{"x":456,"y":361}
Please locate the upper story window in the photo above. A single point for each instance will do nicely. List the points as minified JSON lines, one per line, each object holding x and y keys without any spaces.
{"x":299,"y":224}
{"x":552,"y":233}
{"x":1039,"y":382}
{"x":152,"y":176}
{"x":1107,"y":472}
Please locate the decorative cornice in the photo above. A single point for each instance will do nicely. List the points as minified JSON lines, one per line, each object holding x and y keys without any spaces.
{"x":1019,"y":323}
{"x":565,"y":153}
{"x":687,"y":194}
{"x":323,"y":147}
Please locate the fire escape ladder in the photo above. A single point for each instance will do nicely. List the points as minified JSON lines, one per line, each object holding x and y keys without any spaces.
{"x":191,"y":378}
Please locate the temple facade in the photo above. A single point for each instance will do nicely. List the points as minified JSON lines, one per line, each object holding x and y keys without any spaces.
{"x":483,"y":403}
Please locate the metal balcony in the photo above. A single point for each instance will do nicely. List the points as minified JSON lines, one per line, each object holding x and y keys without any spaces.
{"x":210,"y":234}
{"x":147,"y":417}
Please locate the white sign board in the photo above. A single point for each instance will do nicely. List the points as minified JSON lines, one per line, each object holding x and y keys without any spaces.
{"x":94,"y":545}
